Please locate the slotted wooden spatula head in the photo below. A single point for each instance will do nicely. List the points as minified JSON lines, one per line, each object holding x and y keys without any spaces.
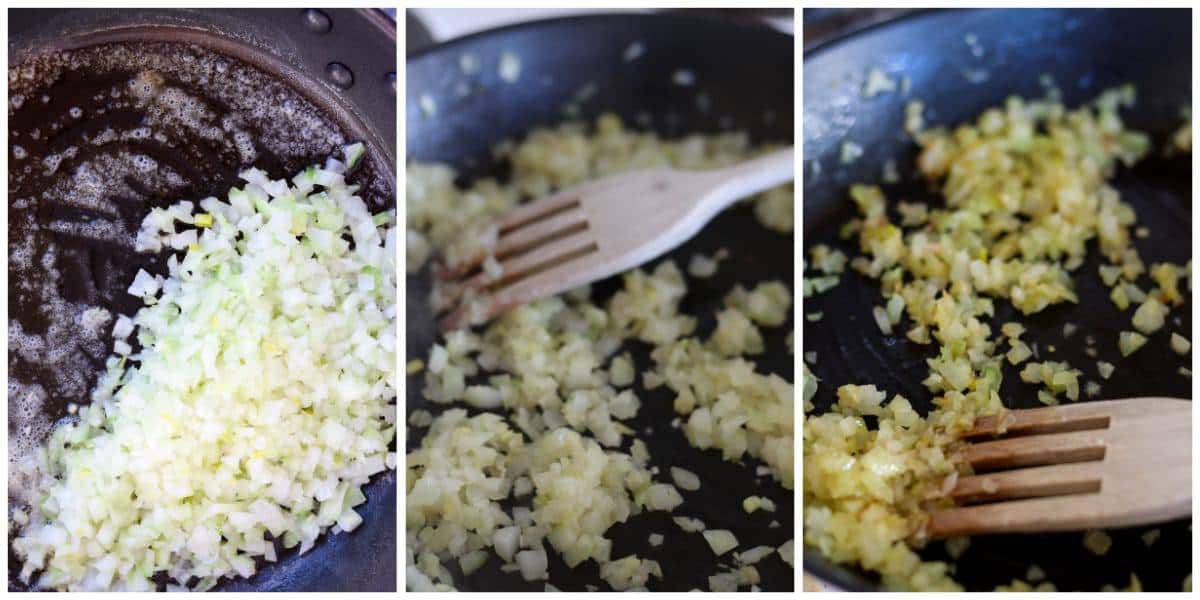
{"x":1115,"y":463}
{"x":591,"y":231}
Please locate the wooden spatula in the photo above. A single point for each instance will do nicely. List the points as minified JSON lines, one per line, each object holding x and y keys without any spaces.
{"x":596,"y":230}
{"x":1092,"y":465}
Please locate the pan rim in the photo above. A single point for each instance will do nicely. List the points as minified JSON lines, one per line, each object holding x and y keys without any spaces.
{"x":849,"y":34}
{"x":615,"y":15}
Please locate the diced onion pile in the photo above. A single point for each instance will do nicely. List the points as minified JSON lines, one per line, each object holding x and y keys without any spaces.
{"x":543,"y":467}
{"x":260,"y":402}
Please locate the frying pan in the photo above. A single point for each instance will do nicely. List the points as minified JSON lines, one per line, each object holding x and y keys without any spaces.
{"x":1086,"y":51}
{"x":279,"y":89}
{"x":747,"y":71}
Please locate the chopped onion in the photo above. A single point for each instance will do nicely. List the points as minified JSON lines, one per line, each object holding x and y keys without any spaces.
{"x":689,"y":524}
{"x":1149,"y":317}
{"x":723,"y":582}
{"x":1097,"y":541}
{"x":534,"y":564}
{"x":1129,"y":342}
{"x":261,"y":401}
{"x":787,"y":551}
{"x":471,"y":561}
{"x":506,"y":540}
{"x":754,"y":554}
{"x":701,"y":266}
{"x":685,"y":479}
{"x":881,"y":319}
{"x":720,"y":540}
{"x":1180,"y":344}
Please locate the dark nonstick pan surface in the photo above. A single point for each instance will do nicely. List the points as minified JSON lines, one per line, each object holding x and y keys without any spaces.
{"x":747,"y":71}
{"x":115,"y":112}
{"x":1085,"y":51}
